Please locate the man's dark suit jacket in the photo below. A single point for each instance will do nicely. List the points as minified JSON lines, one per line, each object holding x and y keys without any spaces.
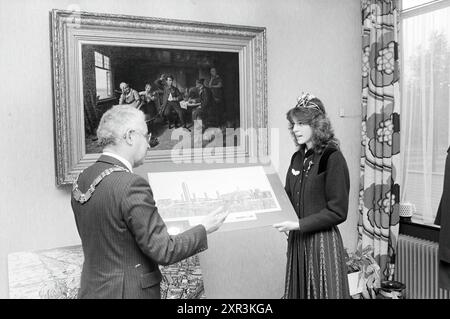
{"x":176,"y":95}
{"x":123,"y":236}
{"x":443,"y":219}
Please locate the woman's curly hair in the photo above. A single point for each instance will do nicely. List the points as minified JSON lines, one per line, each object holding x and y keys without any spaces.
{"x":316,"y":118}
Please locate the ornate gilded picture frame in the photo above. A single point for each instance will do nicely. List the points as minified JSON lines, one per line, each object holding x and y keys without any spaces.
{"x":94,"y":55}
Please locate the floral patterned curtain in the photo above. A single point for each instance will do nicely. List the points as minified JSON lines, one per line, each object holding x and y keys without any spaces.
{"x":380,"y":142}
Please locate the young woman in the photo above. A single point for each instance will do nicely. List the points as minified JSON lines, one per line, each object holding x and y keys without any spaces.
{"x":317,"y":184}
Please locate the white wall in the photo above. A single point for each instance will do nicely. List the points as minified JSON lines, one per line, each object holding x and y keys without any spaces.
{"x":313,"y":45}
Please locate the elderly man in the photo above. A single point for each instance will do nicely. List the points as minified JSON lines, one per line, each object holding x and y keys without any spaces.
{"x":129,"y":96}
{"x":123,"y":236}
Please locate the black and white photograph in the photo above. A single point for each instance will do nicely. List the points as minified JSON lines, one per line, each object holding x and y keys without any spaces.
{"x":229,"y":155}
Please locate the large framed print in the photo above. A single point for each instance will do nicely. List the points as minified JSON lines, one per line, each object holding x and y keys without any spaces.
{"x":94,"y":54}
{"x":253,"y":196}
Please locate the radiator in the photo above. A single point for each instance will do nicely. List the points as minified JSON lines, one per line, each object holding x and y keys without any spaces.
{"x":417,"y":267}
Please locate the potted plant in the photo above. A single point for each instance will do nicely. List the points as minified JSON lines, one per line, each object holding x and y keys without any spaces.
{"x":363,"y":273}
{"x":354,"y":275}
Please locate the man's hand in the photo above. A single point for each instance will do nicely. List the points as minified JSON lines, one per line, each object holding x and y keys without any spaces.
{"x":214,"y":220}
{"x":286,"y":226}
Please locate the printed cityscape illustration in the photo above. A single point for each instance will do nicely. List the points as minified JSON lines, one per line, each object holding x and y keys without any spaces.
{"x":191,"y":204}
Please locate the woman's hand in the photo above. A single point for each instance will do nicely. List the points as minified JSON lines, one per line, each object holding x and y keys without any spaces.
{"x":287,"y":226}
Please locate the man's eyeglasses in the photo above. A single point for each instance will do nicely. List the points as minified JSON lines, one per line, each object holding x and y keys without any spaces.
{"x":148,"y":137}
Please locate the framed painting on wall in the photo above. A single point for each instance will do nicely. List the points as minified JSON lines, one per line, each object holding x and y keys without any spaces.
{"x":101,"y":60}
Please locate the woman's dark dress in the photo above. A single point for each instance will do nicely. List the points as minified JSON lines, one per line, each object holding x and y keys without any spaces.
{"x":318,"y":190}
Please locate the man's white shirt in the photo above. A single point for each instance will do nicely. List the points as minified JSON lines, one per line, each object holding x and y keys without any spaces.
{"x":121,"y":159}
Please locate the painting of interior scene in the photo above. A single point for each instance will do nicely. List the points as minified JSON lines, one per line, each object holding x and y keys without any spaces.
{"x":176,"y":89}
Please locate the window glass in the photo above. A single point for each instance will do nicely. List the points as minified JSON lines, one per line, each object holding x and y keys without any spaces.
{"x":425,"y":116}
{"x":103,"y":77}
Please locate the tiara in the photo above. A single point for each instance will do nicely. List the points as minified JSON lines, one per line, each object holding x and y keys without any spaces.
{"x":304,"y":101}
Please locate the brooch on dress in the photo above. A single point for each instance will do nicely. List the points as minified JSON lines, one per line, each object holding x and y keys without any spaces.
{"x":295,"y":173}
{"x":306,"y":171}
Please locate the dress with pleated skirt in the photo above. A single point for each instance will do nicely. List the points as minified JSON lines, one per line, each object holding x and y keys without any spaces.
{"x":316,"y":267}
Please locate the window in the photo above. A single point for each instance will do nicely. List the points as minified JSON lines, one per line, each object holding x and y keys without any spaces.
{"x":103,"y":79}
{"x":425,"y":91}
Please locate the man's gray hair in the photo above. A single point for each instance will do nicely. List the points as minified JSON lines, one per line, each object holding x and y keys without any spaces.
{"x":116,"y":121}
